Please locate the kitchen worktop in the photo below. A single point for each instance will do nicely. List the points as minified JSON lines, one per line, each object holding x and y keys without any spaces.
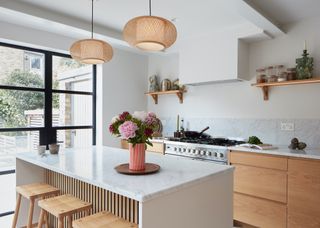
{"x":283,"y":151}
{"x":95,"y":165}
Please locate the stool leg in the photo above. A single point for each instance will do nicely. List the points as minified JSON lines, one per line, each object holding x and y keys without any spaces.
{"x":31,"y":207}
{"x":46,"y":217}
{"x":42,"y":214}
{"x":60,"y":225}
{"x":16,"y":213}
{"x":69,"y":221}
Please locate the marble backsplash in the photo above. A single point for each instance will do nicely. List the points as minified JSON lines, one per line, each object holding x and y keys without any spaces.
{"x":268,"y":130}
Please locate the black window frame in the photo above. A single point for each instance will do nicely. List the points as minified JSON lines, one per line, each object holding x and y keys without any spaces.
{"x":48,"y":133}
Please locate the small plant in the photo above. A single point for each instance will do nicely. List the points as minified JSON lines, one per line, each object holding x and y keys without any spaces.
{"x":254,"y":140}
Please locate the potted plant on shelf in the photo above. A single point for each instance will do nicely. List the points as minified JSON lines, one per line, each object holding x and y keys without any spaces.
{"x":137,"y":130}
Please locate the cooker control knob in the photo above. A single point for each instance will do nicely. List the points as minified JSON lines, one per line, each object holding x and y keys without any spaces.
{"x":197,"y":152}
{"x":175,"y":149}
{"x":184,"y":149}
{"x":221,"y":155}
{"x":209,"y":153}
{"x":202,"y":152}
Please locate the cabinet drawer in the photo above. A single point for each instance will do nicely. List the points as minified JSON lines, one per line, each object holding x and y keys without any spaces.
{"x":259,"y":160}
{"x":303,"y":193}
{"x":261,"y":182}
{"x":259,"y":212}
{"x":157,"y":147}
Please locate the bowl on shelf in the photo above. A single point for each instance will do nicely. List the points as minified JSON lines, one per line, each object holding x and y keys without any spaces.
{"x":54,"y":148}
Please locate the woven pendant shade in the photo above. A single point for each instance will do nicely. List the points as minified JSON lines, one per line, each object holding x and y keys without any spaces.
{"x":150,"y":33}
{"x":91,"y":51}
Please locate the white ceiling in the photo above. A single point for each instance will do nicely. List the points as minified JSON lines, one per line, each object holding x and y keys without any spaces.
{"x":192,"y":16}
{"x":287,"y":11}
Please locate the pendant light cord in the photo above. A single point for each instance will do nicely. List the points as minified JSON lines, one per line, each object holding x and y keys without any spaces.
{"x":149,"y":7}
{"x":92,"y":19}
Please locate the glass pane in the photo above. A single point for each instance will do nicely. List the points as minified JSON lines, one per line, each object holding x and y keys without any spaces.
{"x":21,"y":109}
{"x":21,"y":68}
{"x":69,"y":74}
{"x":72,"y":110}
{"x":12,"y":143}
{"x":75,"y":138}
{"x":7,"y":195}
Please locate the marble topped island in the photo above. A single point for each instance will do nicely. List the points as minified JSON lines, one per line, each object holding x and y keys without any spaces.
{"x":185,"y":193}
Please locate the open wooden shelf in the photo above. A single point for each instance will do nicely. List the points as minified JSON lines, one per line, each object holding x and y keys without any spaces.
{"x":155,"y":95}
{"x":265,"y":86}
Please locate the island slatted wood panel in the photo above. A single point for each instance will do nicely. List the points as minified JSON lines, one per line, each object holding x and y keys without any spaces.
{"x":101,"y":199}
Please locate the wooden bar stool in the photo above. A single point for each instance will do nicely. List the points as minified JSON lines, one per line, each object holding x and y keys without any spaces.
{"x":61,"y":207}
{"x":32,"y":192}
{"x":103,"y":220}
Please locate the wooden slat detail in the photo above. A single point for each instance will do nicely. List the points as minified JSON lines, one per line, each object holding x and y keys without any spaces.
{"x":259,"y":160}
{"x":101,"y":199}
{"x":261,"y":182}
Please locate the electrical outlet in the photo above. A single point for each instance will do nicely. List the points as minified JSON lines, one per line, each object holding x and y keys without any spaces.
{"x":287,"y":127}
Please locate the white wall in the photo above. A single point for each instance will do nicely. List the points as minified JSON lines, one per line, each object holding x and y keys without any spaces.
{"x":240,"y":100}
{"x":124,"y":85}
{"x":121,"y":82}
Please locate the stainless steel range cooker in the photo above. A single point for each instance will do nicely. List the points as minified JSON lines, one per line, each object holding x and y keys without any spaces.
{"x":208,"y":149}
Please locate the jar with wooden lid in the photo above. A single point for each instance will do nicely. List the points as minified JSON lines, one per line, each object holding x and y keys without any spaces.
{"x":261,"y":75}
{"x":291,"y":74}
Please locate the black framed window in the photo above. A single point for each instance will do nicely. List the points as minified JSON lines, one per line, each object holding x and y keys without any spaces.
{"x":45,"y":97}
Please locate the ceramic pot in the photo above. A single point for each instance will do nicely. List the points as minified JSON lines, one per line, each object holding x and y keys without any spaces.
{"x":137,"y":156}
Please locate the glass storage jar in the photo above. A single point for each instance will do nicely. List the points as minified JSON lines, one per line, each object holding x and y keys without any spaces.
{"x":261,"y":75}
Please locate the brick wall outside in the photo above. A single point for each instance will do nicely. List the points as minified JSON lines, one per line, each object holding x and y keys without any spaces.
{"x":10,"y":60}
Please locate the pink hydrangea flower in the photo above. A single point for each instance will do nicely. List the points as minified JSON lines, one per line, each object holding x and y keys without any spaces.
{"x":128,"y":130}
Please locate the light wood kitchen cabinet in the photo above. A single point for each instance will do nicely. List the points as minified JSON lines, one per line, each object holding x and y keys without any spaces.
{"x":303,"y":193}
{"x":261,"y":182}
{"x":259,"y":212}
{"x":260,"y":189}
{"x":158,"y":147}
{"x":276,"y":191}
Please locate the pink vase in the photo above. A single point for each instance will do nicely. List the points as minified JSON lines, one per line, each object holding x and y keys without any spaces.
{"x":137,"y":157}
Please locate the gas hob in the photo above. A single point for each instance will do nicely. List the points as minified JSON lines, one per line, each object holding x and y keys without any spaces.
{"x":208,"y":149}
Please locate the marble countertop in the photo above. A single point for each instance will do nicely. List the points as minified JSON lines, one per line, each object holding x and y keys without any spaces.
{"x":283,"y":151}
{"x":95,"y":165}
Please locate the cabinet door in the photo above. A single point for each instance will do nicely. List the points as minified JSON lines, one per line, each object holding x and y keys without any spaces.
{"x":157,"y":148}
{"x":259,"y":212}
{"x":265,"y":183}
{"x":303,"y":193}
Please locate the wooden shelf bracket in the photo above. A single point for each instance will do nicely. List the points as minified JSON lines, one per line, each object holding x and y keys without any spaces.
{"x":178,"y":93}
{"x":265,"y":91}
{"x":155,"y":98}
